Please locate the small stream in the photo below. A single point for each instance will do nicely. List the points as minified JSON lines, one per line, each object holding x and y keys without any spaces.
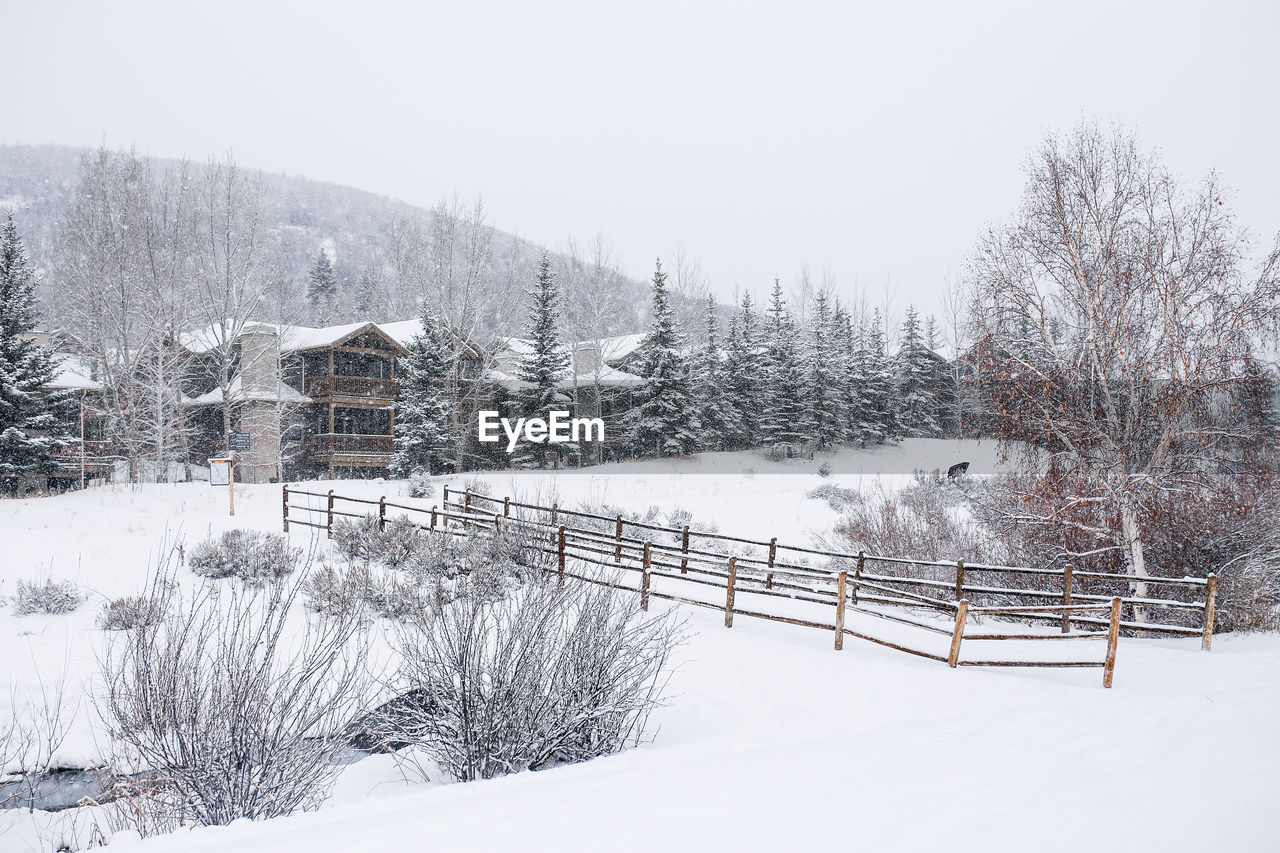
{"x":65,"y":787}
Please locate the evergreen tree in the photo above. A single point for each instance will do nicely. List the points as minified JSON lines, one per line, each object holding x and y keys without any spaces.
{"x":547,"y":362}
{"x":742,"y":373}
{"x":824,"y":403}
{"x":29,"y":429}
{"x":424,"y":442}
{"x":844,"y":346}
{"x":877,"y":415}
{"x":783,"y":420}
{"x":714,"y":410}
{"x":665,"y":422}
{"x":917,"y":391}
{"x":322,"y":288}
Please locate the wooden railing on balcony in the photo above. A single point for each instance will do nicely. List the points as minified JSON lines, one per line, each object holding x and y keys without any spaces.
{"x":340,"y":444}
{"x":351,"y":386}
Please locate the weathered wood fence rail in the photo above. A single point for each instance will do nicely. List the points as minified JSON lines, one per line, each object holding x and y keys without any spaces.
{"x":845,"y":584}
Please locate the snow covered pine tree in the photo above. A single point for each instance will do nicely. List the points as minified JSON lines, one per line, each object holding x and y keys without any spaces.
{"x":546,"y":364}
{"x":784,"y":422}
{"x":424,"y":443}
{"x":917,"y":387}
{"x":29,"y":428}
{"x":322,"y":289}
{"x":713,"y":407}
{"x":664,"y":423}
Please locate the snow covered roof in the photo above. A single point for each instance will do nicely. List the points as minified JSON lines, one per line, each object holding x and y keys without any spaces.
{"x":282,"y":393}
{"x":298,"y":338}
{"x":607,"y":377}
{"x":618,"y":348}
{"x":71,"y":373}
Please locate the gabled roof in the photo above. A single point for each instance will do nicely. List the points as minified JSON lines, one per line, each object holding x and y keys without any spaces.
{"x":297,"y":338}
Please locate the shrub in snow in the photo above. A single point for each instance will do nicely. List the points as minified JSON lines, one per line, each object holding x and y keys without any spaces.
{"x":420,"y":485}
{"x":234,"y":716}
{"x":477,"y":487}
{"x":836,"y":497}
{"x":483,"y":567}
{"x":362,"y":539}
{"x":250,"y":555}
{"x":552,"y":675}
{"x":48,"y":596}
{"x":131,"y":611}
{"x":824,"y":470}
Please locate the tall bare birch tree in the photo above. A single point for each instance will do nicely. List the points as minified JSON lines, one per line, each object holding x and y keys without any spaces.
{"x":234,"y":268}
{"x":1114,"y":317}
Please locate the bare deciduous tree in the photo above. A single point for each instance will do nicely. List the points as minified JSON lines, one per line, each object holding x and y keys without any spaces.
{"x":1112,"y":319}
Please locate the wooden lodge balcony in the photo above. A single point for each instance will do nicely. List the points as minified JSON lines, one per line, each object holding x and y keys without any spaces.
{"x":351,"y":387}
{"x":347,"y":449}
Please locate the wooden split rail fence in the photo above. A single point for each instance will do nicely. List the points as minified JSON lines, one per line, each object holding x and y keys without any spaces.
{"x":846,"y":584}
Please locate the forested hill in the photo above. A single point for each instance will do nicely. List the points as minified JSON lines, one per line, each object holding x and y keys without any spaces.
{"x":363,"y":234}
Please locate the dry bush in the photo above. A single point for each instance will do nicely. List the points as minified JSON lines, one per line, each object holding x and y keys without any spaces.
{"x":836,"y":497}
{"x":250,"y":555}
{"x":552,"y":675}
{"x":129,"y":612}
{"x":364,"y":539}
{"x":236,"y":709}
{"x":47,"y":596}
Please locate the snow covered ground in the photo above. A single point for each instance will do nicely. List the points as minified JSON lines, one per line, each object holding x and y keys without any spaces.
{"x":772,"y":741}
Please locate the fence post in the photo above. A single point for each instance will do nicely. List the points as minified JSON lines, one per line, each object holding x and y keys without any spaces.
{"x":330,"y":524}
{"x":555,"y":509}
{"x":506,"y":507}
{"x":773,"y":554}
{"x":1113,"y":635}
{"x":382,"y":513}
{"x":617,"y":552}
{"x":840,"y":593}
{"x":433,"y":518}
{"x":466,"y":502}
{"x":962,"y":612}
{"x":857,"y":576}
{"x":446,"y":493}
{"x":285,"y":497}
{"x":560,"y":552}
{"x":684,"y":549}
{"x":728,"y":602}
{"x":644,"y":578}
{"x":1210,"y":593}
{"x":959,"y":580}
{"x":497,"y":524}
{"x":1066,"y":599}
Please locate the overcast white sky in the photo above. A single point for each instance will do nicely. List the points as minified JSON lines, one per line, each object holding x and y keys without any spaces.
{"x":873,"y":140}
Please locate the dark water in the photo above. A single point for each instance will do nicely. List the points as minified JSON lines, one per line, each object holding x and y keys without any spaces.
{"x":66,"y":787}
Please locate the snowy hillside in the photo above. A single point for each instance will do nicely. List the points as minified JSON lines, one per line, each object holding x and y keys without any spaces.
{"x":771,"y":741}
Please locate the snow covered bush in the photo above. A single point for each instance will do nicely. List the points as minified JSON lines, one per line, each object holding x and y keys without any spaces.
{"x":129,"y":612}
{"x":363,"y":539}
{"x":236,"y":709}
{"x":482,"y":567}
{"x":554,"y":674}
{"x":420,"y":485}
{"x":836,"y":497}
{"x":824,"y":470}
{"x":47,"y":596}
{"x":250,"y":555}
{"x":477,"y":486}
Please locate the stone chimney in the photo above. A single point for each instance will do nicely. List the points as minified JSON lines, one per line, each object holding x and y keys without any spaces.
{"x":586,"y":358}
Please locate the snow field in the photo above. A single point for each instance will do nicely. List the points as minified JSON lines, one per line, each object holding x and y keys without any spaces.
{"x":772,"y":740}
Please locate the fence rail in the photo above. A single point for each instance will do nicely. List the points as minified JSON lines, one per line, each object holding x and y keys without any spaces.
{"x":846,"y":589}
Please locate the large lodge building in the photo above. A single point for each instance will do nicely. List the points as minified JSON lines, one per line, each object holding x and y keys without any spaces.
{"x":318,"y":401}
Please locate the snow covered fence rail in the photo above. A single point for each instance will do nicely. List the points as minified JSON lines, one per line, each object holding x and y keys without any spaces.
{"x":756,"y":588}
{"x":1160,"y":615}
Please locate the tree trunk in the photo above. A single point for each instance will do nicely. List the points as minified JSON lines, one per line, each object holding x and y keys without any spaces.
{"x":1132,"y":541}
